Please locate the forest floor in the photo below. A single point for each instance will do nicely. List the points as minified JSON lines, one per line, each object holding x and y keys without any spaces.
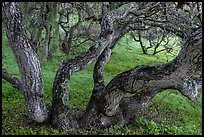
{"x":169,"y":113}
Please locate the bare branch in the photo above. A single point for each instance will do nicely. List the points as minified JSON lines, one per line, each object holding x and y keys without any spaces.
{"x":13,"y":81}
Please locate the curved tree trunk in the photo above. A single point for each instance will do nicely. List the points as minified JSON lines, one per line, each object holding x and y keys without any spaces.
{"x":60,"y":108}
{"x":61,"y":87}
{"x":109,"y":101}
{"x":28,"y":64}
{"x":91,"y":114}
{"x":146,"y":81}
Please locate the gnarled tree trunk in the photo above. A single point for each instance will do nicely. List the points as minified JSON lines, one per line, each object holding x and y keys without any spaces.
{"x":28,"y":64}
{"x":109,"y":36}
{"x":107,"y":101}
{"x":146,"y":81}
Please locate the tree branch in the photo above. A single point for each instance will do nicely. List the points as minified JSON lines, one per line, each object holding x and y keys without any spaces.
{"x":146,"y":81}
{"x":13,"y":81}
{"x":68,"y":67}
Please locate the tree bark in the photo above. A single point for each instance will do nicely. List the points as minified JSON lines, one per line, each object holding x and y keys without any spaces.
{"x":91,"y":114}
{"x":108,"y":102}
{"x":61,"y":112}
{"x":146,"y":81}
{"x":90,"y":117}
{"x":114,"y":92}
{"x":27,"y":61}
{"x":61,"y":88}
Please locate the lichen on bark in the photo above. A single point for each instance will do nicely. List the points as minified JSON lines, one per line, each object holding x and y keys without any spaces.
{"x":66,"y":88}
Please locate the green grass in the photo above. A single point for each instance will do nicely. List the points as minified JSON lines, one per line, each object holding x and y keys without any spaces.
{"x":169,"y":112}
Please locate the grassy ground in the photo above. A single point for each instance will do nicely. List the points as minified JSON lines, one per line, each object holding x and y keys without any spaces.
{"x":169,"y":112}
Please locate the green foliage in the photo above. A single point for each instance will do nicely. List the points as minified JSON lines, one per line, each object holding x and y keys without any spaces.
{"x":152,"y":128}
{"x":73,"y":18}
{"x":170,"y":113}
{"x":174,"y":114}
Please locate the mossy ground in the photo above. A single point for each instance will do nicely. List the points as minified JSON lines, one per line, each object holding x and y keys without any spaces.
{"x":169,"y":112}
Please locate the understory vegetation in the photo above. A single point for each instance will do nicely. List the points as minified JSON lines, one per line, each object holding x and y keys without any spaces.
{"x":169,"y":113}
